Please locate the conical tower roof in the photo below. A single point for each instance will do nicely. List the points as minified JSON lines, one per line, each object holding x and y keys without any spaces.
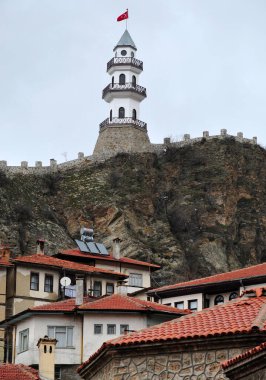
{"x":126,"y":40}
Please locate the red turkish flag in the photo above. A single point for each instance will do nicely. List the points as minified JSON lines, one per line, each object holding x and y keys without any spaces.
{"x":123,"y":16}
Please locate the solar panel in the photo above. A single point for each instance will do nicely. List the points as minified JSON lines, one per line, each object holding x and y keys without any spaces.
{"x":92,"y":247}
{"x":82,"y":246}
{"x":102,"y":249}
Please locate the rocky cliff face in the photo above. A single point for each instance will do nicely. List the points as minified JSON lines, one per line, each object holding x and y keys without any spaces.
{"x":196,"y":210}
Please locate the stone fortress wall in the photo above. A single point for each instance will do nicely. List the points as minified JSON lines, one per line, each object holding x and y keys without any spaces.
{"x":54,"y":167}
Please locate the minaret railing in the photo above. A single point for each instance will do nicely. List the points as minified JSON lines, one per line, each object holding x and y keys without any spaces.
{"x":122,"y":121}
{"x":125,"y":61}
{"x":124,"y":87}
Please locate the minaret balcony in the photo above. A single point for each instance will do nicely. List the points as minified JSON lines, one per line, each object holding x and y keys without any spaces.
{"x":116,"y":90}
{"x":135,"y":64}
{"x":117,"y":121}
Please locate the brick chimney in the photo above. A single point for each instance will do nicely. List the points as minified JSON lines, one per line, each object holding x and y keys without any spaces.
{"x":116,"y":248}
{"x":47,"y":358}
{"x":40,"y":246}
{"x":4,"y":252}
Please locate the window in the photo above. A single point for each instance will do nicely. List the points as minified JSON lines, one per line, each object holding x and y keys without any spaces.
{"x":206,"y":303}
{"x":121,"y":112}
{"x":111,"y":115}
{"x":113,"y":81}
{"x":219,"y":300}
{"x":233,"y":296}
{"x":134,"y":114}
{"x":179,"y":305}
{"x":193,"y":305}
{"x":111,"y":329}
{"x":34,"y":281}
{"x":98,"y":329}
{"x":123,"y":52}
{"x":124,"y":329}
{"x":109,"y":288}
{"x":122,"y":79}
{"x":134,"y":81}
{"x":97,"y":288}
{"x":57,"y":372}
{"x":135,"y":279}
{"x":63,"y":335}
{"x":24,"y":340}
{"x":167,"y":304}
{"x":48,"y":283}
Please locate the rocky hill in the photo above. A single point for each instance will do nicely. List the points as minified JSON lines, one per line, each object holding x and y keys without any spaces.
{"x":196,"y":210}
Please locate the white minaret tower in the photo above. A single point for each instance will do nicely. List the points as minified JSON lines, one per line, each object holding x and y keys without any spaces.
{"x":123,"y":131}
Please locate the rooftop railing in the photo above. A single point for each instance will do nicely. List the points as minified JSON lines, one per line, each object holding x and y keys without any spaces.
{"x":122,"y":121}
{"x":125,"y":61}
{"x":130,"y":86}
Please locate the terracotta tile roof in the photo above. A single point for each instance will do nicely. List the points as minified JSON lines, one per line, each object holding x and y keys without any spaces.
{"x":240,"y":316}
{"x":246,"y":355}
{"x":128,"y":260}
{"x":249,"y":272}
{"x":65,"y":305}
{"x":125,"y":303}
{"x":64,"y":264}
{"x":18,"y":372}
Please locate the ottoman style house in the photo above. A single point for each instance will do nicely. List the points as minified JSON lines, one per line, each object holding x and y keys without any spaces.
{"x":123,"y":131}
{"x":191,"y":347}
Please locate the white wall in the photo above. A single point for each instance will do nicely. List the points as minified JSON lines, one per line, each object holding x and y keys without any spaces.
{"x":185,"y":299}
{"x":94,"y":341}
{"x":38,"y":329}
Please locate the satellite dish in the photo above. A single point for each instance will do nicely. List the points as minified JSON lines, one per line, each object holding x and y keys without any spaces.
{"x":65,"y":281}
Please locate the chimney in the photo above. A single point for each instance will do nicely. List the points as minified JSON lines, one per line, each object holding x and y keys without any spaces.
{"x":40,"y":246}
{"x":116,"y":248}
{"x":5,"y":252}
{"x":79,"y":290}
{"x":122,"y":288}
{"x":47,"y":358}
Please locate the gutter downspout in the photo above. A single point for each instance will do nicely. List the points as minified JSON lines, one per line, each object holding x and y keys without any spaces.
{"x":82,"y":340}
{"x":14,"y":343}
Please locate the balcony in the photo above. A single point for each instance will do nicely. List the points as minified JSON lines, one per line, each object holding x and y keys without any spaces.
{"x":123,"y":121}
{"x":122,"y":61}
{"x":116,"y":88}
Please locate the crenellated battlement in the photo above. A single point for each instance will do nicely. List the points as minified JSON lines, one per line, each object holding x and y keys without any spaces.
{"x":187,"y":140}
{"x":54,"y":167}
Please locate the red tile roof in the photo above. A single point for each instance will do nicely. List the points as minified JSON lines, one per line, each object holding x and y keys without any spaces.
{"x":246,"y":355}
{"x":63,"y":264}
{"x":249,"y":272}
{"x":17,"y":372}
{"x":65,"y":305}
{"x":125,"y":303}
{"x":78,"y":253}
{"x":240,"y":316}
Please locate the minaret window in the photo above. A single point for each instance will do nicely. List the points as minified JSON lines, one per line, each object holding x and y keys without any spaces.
{"x":113,"y":81}
{"x":123,"y":53}
{"x":121,"y":112}
{"x":122,"y":79}
{"x":134,"y":114}
{"x":134,"y":81}
{"x":111,"y":115}
{"x":132,"y":54}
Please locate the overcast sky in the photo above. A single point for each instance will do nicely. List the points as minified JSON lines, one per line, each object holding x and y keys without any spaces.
{"x":204,"y":69}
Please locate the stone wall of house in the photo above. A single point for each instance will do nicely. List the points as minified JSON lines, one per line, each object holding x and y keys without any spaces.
{"x":197,"y":365}
{"x":258,"y":375}
{"x":69,"y":372}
